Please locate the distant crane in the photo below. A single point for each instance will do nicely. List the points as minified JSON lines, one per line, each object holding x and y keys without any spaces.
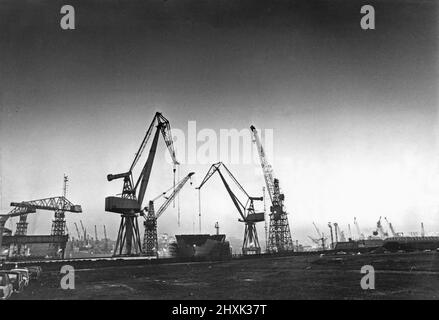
{"x":84,"y":232}
{"x":380,"y":230}
{"x":217,"y":228}
{"x":96,"y":234}
{"x":246,"y":210}
{"x":279,"y":232}
{"x":360,"y":235}
{"x":106,"y":240}
{"x":422,"y":230}
{"x":392,"y":231}
{"x":150,"y":240}
{"x":129,"y":204}
{"x":77,"y":231}
{"x":321,"y":240}
{"x":332,"y":236}
{"x":339,"y":233}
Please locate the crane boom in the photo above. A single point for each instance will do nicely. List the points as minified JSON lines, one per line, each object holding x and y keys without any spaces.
{"x":266,"y":167}
{"x":171,"y":197}
{"x":246,"y":211}
{"x":279,"y":234}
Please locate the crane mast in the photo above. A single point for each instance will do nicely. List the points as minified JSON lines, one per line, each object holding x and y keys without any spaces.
{"x":150,"y":239}
{"x":279,"y":231}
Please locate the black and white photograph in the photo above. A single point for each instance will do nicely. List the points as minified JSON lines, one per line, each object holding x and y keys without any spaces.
{"x":219,"y":155}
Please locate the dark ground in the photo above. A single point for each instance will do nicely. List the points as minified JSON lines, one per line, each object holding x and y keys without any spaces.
{"x":398,"y":276}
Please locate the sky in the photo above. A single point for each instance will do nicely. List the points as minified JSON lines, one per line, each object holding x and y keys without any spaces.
{"x":353,"y":113}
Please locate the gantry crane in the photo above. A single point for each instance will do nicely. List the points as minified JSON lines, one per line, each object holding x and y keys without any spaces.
{"x":279,"y":231}
{"x":129,"y":204}
{"x":150,"y":240}
{"x":16,"y":212}
{"x":58,"y":204}
{"x":247,"y":212}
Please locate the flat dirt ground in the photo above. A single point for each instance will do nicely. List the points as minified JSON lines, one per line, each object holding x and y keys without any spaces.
{"x":397,"y":276}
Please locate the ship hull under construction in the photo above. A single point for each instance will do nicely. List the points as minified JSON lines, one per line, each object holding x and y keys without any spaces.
{"x":202,"y":245}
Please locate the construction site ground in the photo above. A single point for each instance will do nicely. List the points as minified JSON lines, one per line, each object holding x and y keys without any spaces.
{"x":397,"y":276}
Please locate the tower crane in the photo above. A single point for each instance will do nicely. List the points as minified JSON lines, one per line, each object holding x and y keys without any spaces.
{"x":150,"y":241}
{"x":279,"y":230}
{"x":392,"y":230}
{"x":129,"y":204}
{"x":246,"y":210}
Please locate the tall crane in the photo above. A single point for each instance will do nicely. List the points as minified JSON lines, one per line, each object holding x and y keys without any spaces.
{"x":150,"y":240}
{"x":392,"y":230}
{"x":422,"y":230}
{"x":129,"y":204}
{"x":246,"y":210}
{"x":279,"y":231}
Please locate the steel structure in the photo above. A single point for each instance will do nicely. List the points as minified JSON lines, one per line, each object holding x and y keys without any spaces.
{"x":58,"y":204}
{"x":18,"y":211}
{"x":150,"y":240}
{"x":357,"y":226}
{"x":247,"y":212}
{"x":129,"y":204}
{"x":279,"y":231}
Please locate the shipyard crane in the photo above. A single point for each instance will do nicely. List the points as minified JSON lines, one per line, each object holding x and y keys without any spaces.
{"x":129,"y":204}
{"x":360,"y":235}
{"x":106,"y":239}
{"x":332,"y":235}
{"x":392,"y":230}
{"x":77,"y":231}
{"x":58,"y":204}
{"x":96,"y":234}
{"x":279,"y":230}
{"x":422,"y":230}
{"x":84,"y":232}
{"x":150,"y":240}
{"x":16,"y":212}
{"x":246,"y":210}
{"x":321,"y":238}
{"x":380,"y":230}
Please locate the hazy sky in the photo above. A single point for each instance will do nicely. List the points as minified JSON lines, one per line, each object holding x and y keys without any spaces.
{"x":353,"y":112}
